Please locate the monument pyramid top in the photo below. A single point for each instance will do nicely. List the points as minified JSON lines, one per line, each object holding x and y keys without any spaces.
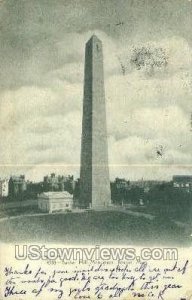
{"x":94,"y":39}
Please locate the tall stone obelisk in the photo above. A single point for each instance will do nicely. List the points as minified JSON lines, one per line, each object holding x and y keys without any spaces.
{"x":94,"y":174}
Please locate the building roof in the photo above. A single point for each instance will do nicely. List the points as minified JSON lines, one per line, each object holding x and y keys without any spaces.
{"x":182,"y":178}
{"x":56,"y":195}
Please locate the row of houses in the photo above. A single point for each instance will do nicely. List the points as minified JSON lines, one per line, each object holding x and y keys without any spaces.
{"x":183,"y":182}
{"x":123,"y":192}
{"x":17,"y":186}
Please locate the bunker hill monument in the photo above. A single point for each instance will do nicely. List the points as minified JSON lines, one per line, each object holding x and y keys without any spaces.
{"x":94,"y":173}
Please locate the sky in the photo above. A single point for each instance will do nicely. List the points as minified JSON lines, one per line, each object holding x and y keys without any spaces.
{"x":147,"y":48}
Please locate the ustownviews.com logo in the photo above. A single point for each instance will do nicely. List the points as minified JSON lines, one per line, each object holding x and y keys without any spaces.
{"x":37,"y":252}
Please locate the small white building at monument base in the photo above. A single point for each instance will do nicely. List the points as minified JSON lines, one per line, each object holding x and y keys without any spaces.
{"x":55,"y":201}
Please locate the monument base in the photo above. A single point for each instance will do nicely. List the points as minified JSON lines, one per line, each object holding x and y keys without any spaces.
{"x":101,"y":207}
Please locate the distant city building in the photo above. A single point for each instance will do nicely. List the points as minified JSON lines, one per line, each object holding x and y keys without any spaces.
{"x":17,"y":186}
{"x":183,"y":182}
{"x":76,"y":192}
{"x":4,"y":187}
{"x":33,"y":189}
{"x":58,"y":183}
{"x":119,"y":190}
{"x":146,"y":185}
{"x":55,"y":201}
{"x":121,"y":183}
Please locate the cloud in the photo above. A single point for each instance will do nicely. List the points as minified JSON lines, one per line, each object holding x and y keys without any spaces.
{"x":149,"y":123}
{"x":58,"y":145}
{"x":26,"y":102}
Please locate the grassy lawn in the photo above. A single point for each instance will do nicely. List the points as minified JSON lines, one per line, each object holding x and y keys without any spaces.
{"x":93,"y":228}
{"x":18,"y":211}
{"x":179,"y":215}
